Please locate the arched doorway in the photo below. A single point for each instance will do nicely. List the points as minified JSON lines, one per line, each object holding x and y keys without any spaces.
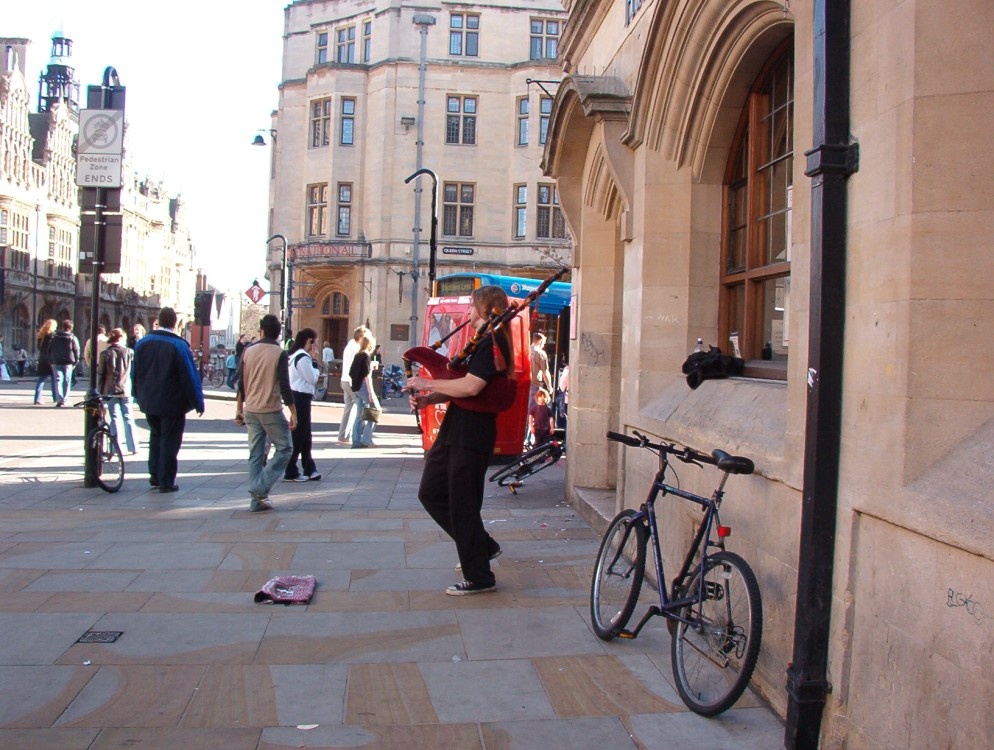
{"x":335,"y":321}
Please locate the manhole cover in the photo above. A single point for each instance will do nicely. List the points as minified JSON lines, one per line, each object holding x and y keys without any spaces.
{"x":100,"y":636}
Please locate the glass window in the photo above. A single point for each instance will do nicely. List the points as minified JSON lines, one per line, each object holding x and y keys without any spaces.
{"x":543,"y":42}
{"x":317,"y":210}
{"x":464,"y":34}
{"x":545,"y":114}
{"x":457,"y":213}
{"x":460,"y":120}
{"x":344,"y":209}
{"x":345,"y":44}
{"x":520,"y":211}
{"x":367,"y":41}
{"x":320,"y":122}
{"x":755,"y":278}
{"x":550,"y":222}
{"x":523,"y":121}
{"x":322,"y":47}
{"x":347,"y":135}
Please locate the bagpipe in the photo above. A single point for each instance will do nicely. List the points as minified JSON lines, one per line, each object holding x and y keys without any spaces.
{"x":499,"y":393}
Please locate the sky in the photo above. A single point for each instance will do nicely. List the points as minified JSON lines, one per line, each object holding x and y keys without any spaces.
{"x":202,"y":78}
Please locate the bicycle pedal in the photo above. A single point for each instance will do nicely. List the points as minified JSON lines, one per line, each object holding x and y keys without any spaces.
{"x":627,"y":634}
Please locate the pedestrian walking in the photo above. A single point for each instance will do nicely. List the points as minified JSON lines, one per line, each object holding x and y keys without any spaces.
{"x":327,"y":356}
{"x":304,"y":373}
{"x":45,"y":373}
{"x":114,"y":383}
{"x":455,"y":468}
{"x":63,"y":353}
{"x":166,"y":386}
{"x":231,"y":362}
{"x":101,"y":345}
{"x":540,"y":417}
{"x":263,"y":390}
{"x":348,"y":397}
{"x":361,"y":377}
{"x":22,"y":359}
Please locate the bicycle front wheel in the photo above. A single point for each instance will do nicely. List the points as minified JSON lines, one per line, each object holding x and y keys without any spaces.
{"x":107,"y":461}
{"x":533,"y":461}
{"x":216,"y":378}
{"x":618,"y":574}
{"x":715,"y":651}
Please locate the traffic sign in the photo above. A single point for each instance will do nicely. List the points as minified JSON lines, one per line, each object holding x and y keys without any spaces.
{"x":101,"y":144}
{"x":255,"y":293}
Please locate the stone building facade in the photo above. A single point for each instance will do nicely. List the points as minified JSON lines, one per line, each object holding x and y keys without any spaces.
{"x":40,"y":216}
{"x":688,"y":144}
{"x":349,"y":131}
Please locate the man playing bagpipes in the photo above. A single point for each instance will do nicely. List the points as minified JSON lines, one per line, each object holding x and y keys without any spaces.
{"x":454,"y":476}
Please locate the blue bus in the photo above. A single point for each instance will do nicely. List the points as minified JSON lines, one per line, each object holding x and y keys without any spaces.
{"x":550,"y":312}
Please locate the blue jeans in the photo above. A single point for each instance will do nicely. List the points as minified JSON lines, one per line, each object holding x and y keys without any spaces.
{"x":63,"y":381}
{"x":122,"y":421}
{"x":39,"y":384}
{"x":362,"y":431}
{"x":263,"y":474}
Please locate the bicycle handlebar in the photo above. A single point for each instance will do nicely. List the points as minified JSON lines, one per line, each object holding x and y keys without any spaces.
{"x":680,"y":452}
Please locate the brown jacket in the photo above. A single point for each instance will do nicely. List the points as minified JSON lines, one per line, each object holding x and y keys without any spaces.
{"x":264,"y":377}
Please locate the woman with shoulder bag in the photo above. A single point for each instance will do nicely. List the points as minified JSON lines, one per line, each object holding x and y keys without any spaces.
{"x":114,"y":382}
{"x":304,"y":371}
{"x":361,"y":374}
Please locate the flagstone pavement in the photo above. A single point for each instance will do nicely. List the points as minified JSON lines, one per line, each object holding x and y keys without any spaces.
{"x":380,"y":658}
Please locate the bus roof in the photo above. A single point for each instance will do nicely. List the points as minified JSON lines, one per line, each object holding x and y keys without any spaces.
{"x":551,"y":302}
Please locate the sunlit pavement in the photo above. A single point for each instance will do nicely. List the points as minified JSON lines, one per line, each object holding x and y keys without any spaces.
{"x":380,"y":658}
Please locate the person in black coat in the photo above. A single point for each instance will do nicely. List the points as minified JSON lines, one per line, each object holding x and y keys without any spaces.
{"x":167,"y":386}
{"x":44,"y":339}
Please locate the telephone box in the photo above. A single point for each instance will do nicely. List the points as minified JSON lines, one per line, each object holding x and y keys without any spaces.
{"x":444,"y":314}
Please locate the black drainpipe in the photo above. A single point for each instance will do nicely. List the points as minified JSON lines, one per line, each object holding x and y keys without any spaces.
{"x":829,"y":165}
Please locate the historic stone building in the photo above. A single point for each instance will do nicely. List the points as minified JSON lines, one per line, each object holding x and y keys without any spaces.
{"x":40,"y":215}
{"x":371,"y":93}
{"x":809,"y":185}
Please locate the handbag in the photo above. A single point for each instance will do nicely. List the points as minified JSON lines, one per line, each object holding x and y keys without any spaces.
{"x":370,"y":414}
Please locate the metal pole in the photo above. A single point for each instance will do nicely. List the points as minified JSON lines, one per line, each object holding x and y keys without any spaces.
{"x":423,"y":22}
{"x":286,"y":293}
{"x":830,"y":162}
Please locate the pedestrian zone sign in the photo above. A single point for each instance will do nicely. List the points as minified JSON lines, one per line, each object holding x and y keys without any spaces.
{"x":255,"y":293}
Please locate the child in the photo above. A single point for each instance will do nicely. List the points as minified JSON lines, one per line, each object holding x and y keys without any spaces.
{"x":540,"y":417}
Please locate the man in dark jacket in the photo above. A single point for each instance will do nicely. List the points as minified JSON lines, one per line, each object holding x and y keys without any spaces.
{"x":63,"y":353}
{"x":166,"y":385}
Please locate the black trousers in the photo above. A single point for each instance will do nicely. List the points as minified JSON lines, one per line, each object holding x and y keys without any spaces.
{"x":302,"y":438}
{"x":452,"y":492}
{"x":165,"y":439}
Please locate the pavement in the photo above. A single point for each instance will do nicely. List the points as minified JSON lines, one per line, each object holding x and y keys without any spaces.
{"x":380,"y":658}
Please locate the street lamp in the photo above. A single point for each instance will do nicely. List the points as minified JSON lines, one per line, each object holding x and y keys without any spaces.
{"x":259,"y":140}
{"x":286,"y":286}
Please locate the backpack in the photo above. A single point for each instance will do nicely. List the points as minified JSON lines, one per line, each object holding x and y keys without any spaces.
{"x":710,"y":365}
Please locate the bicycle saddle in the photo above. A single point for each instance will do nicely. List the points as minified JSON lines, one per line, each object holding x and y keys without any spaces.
{"x":732,"y":464}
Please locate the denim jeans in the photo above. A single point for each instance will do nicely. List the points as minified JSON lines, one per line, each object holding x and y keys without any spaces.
{"x":362,"y":431}
{"x":263,"y":474}
{"x":40,"y":384}
{"x":63,"y":381}
{"x":348,"y":399}
{"x":122,"y":421}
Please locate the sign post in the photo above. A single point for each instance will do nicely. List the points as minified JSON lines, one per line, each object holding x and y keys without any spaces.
{"x":98,"y":172}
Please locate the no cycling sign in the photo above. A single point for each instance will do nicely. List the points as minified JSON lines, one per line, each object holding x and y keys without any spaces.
{"x":101,"y":145}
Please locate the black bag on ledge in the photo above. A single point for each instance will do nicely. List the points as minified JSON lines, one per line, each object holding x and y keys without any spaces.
{"x":710,"y":365}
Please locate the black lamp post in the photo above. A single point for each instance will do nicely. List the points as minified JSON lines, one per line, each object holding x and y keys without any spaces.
{"x":286,"y":287}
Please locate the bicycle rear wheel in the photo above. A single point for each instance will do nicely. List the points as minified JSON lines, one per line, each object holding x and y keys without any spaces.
{"x":715,"y":654}
{"x":108,"y":463}
{"x":531,"y":462}
{"x":618,"y":574}
{"x":216,"y":378}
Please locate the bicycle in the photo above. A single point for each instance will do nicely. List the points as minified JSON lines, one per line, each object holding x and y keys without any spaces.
{"x":107,"y":465}
{"x":713,"y":608}
{"x":214,"y":375}
{"x":532,"y":462}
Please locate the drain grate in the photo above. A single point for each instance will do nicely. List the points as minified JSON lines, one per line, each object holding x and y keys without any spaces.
{"x":100,"y":636}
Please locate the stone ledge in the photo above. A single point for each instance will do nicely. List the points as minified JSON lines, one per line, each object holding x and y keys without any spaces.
{"x":595,"y":506}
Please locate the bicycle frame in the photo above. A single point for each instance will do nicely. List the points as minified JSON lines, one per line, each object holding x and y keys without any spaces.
{"x":668,"y":603}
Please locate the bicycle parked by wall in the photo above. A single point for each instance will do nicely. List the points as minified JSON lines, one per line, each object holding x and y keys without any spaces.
{"x":107,"y":465}
{"x":713,"y":606}
{"x":214,"y":374}
{"x":531,"y":462}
